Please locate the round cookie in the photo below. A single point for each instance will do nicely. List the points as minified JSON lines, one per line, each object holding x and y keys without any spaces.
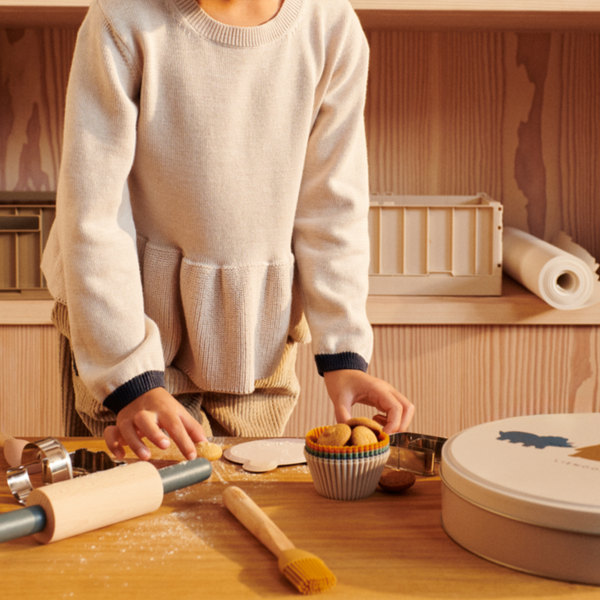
{"x":394,"y":482}
{"x":209,"y":451}
{"x":362,"y":436}
{"x":366,"y":422}
{"x":335,"y":435}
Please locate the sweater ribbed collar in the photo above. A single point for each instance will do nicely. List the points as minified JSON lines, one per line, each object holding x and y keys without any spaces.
{"x":232,"y":35}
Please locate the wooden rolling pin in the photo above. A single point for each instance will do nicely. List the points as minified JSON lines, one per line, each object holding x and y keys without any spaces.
{"x":75,"y":506}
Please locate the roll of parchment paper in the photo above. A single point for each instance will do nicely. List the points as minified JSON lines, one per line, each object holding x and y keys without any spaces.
{"x":558,"y":277}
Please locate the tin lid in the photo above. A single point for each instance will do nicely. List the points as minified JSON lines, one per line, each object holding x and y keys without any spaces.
{"x":540,"y":469}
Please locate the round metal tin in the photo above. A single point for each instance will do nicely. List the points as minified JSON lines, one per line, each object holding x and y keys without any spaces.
{"x":525,"y":492}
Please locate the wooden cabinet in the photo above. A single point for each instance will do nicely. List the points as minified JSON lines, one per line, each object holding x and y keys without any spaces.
{"x":465,"y":96}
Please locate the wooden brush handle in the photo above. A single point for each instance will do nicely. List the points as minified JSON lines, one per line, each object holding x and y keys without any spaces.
{"x":251,"y":516}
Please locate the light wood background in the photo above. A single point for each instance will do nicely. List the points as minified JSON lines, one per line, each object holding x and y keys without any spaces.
{"x":515,"y":115}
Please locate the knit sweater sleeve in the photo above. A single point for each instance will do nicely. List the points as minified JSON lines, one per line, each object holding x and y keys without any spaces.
{"x":117,"y":348}
{"x":331,"y":228}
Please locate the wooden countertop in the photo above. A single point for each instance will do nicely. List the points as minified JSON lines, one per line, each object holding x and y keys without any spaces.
{"x":382,"y":547}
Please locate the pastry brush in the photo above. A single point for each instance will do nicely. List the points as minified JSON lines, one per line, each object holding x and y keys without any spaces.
{"x":304,"y":570}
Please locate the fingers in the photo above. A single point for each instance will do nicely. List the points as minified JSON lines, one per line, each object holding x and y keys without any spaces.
{"x":193,"y":428}
{"x":179,"y":434}
{"x":347,"y":388}
{"x":149,"y":424}
{"x":342,"y":413}
{"x":398,"y":410}
{"x":114,"y":441}
{"x":407,"y":415}
{"x":158,"y":417}
{"x":133,"y":438}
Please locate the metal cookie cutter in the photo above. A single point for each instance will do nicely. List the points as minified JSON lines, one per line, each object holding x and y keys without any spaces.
{"x":50,"y":458}
{"x":415,"y":452}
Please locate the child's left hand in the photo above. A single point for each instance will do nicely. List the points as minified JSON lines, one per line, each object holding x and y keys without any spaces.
{"x":348,"y":387}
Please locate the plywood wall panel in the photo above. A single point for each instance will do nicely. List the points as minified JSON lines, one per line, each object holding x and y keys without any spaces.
{"x":29,"y":381}
{"x":34,"y":69}
{"x":512,"y":114}
{"x":460,"y":376}
{"x":457,"y":376}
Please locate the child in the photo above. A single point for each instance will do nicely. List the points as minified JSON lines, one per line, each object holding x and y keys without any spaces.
{"x":213,"y":191}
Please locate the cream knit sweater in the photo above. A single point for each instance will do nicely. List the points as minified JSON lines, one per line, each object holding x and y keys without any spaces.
{"x":213,"y":186}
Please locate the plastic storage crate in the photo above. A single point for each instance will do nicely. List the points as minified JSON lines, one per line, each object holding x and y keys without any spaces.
{"x":25,"y":221}
{"x":435,"y":245}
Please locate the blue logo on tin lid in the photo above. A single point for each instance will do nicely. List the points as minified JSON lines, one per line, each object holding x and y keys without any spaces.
{"x":531,"y":439}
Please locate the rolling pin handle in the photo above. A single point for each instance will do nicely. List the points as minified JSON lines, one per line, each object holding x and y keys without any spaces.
{"x":184,"y":474}
{"x":21,"y":522}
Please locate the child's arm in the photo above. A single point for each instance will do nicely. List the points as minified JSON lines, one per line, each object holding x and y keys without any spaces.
{"x":117,"y":348}
{"x":331,"y":238}
{"x":348,"y":387}
{"x":148,"y":416}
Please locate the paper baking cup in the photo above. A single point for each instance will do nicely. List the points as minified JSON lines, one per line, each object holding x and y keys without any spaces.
{"x":383,"y":441}
{"x":342,"y":479}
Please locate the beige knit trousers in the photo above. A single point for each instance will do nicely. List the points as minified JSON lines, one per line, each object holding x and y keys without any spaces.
{"x":263,"y":413}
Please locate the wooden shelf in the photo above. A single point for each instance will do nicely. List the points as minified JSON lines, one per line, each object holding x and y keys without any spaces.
{"x":479,"y":14}
{"x":42,"y":13}
{"x":26,"y":312}
{"x":516,"y":306}
{"x":375,"y":14}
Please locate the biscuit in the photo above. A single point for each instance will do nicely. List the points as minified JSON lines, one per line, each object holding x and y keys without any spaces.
{"x":394,"y":482}
{"x":209,"y":451}
{"x":335,"y":435}
{"x":366,"y":422}
{"x":362,"y":436}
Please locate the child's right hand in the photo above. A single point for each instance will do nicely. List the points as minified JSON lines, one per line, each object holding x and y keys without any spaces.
{"x":147,"y":416}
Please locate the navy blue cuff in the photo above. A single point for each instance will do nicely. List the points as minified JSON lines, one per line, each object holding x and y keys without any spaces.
{"x":342,"y":360}
{"x":125,"y":394}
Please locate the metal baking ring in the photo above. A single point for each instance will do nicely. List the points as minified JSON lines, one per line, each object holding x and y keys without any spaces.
{"x":416,"y":452}
{"x":48,"y":456}
{"x":85,"y":462}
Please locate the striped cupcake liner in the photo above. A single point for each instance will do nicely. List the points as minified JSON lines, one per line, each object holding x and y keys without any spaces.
{"x":346,"y":479}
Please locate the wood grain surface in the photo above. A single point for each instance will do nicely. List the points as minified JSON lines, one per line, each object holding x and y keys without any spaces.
{"x":457,"y":376}
{"x":515,"y":115}
{"x":383,"y":547}
{"x":404,"y":14}
{"x":29,"y":381}
{"x":511,"y":113}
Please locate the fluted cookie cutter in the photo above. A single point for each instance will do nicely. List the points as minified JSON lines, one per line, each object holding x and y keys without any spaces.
{"x":415,"y":452}
{"x":50,"y":458}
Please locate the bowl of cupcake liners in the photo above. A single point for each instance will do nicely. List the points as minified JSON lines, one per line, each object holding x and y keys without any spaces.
{"x":346,"y":472}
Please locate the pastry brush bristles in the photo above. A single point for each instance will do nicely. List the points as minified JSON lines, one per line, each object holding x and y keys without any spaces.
{"x":306,"y":571}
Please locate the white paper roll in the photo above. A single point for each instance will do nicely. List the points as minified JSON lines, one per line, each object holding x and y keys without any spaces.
{"x":561,"y":279}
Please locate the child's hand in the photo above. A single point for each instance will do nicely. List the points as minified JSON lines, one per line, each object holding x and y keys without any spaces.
{"x":146,"y":417}
{"x":347,"y":387}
